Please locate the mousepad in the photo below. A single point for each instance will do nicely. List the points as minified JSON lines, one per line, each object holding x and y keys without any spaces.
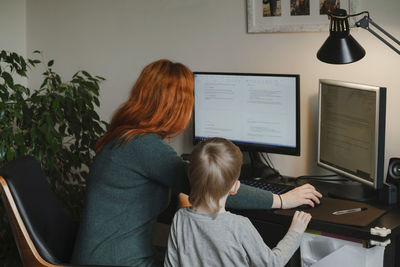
{"x":324,"y":212}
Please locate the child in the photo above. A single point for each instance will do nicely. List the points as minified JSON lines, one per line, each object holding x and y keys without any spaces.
{"x":207,"y":235}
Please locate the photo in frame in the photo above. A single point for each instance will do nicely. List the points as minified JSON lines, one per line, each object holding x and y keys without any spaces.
{"x":294,"y":15}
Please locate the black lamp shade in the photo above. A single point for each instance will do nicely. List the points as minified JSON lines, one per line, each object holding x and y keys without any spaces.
{"x":340,"y":50}
{"x":340,"y":47}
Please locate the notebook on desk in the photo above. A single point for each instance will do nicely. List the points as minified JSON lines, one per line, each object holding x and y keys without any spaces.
{"x":325,"y":212}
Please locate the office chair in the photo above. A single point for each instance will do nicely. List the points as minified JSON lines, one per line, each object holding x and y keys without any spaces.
{"x":44,"y":232}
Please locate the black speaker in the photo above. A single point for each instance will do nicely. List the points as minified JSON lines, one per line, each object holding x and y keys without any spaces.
{"x":393,"y":175}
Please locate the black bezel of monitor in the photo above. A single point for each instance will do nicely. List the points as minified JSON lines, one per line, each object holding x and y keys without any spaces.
{"x":251,"y":147}
{"x":380,"y":118}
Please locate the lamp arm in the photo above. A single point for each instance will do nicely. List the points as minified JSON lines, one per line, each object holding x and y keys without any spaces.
{"x":364,"y":23}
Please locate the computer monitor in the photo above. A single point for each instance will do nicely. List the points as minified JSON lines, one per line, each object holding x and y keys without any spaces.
{"x":351,"y":135}
{"x":257,"y":112}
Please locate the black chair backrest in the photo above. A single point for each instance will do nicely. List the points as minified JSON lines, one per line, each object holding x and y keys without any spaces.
{"x":51,"y":229}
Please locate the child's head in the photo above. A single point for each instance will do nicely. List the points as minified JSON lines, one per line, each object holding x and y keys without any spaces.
{"x":213,"y":170}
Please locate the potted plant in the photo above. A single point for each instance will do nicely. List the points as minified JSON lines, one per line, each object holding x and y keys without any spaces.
{"x":56,"y":123}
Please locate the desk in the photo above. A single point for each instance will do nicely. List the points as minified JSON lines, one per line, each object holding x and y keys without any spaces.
{"x":272,"y":227}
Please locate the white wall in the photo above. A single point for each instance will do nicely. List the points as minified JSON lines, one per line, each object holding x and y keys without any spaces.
{"x":116,"y":39}
{"x":13,"y":26}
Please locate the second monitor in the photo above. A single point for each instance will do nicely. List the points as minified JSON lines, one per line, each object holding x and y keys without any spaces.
{"x":351,"y":136}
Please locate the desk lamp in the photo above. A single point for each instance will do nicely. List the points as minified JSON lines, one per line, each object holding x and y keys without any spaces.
{"x":341,"y":47}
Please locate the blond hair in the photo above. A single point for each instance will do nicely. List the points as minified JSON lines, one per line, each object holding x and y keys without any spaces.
{"x":213,"y":170}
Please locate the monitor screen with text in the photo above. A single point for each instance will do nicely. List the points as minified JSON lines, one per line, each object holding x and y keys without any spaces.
{"x":255,"y":111}
{"x":352,"y":130}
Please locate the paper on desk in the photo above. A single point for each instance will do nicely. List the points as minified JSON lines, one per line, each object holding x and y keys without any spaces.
{"x":322,"y":251}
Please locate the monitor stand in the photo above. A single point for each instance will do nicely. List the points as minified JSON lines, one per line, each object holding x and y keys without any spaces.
{"x":256,"y":168}
{"x":350,"y":190}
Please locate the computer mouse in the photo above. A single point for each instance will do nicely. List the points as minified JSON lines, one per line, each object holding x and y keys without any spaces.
{"x":303,"y":207}
{"x":306,"y":206}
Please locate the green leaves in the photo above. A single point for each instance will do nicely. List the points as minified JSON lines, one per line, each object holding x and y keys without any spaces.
{"x":8,"y":79}
{"x":56,"y":123}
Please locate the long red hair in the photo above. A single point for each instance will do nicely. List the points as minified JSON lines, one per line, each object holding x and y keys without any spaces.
{"x":160,"y":102}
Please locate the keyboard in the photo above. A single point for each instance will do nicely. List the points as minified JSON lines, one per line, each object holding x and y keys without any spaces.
{"x":275,"y":188}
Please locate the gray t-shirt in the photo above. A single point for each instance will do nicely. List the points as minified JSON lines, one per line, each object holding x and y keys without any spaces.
{"x":198,"y":239}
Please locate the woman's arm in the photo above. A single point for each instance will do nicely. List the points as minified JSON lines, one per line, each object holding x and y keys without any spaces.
{"x":249,"y":197}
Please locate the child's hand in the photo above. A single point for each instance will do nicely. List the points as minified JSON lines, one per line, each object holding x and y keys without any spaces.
{"x":300,"y":221}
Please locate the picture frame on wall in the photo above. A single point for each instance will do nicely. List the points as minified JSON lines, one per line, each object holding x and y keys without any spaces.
{"x":294,"y":15}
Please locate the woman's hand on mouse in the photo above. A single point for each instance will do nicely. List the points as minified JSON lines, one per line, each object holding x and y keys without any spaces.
{"x":305,"y":194}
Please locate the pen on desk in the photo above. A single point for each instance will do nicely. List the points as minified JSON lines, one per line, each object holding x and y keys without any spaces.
{"x":340,"y":212}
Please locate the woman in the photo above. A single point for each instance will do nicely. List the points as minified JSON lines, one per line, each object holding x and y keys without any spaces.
{"x":134,"y":170}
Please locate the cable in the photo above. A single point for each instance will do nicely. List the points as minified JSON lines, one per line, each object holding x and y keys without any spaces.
{"x":315,"y":176}
{"x":320,"y":177}
{"x":267,"y":160}
{"x":270,"y":160}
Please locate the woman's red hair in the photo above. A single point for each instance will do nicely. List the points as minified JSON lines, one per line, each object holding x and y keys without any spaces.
{"x":160,"y":102}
